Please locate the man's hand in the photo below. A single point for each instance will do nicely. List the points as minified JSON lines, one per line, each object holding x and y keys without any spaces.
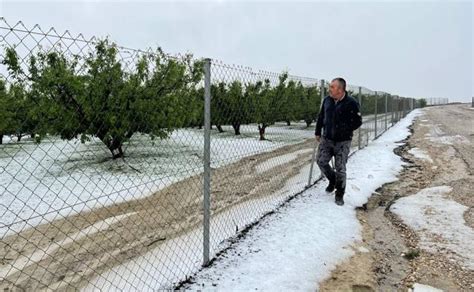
{"x":318,"y":139}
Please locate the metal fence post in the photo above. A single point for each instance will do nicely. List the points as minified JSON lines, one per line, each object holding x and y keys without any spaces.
{"x":404,"y":107}
{"x":310,"y":178}
{"x":360,"y":128}
{"x":398,"y":109}
{"x":391,"y":112}
{"x":394,"y":108}
{"x":376,"y":97}
{"x":407,"y":106}
{"x":386,"y":107}
{"x":207,"y":160}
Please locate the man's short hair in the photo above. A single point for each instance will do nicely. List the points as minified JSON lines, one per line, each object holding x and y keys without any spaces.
{"x":341,"y":81}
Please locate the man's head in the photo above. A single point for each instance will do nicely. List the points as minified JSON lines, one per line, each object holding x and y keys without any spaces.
{"x":337,"y":88}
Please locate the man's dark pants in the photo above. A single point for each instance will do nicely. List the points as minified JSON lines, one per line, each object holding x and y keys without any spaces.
{"x":340,"y":150}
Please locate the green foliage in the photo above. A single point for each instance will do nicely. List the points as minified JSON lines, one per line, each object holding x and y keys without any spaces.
{"x":310,"y":104}
{"x":104,"y":100}
{"x":368,"y":104}
{"x":231,"y":105}
{"x":5,"y":113}
{"x":194,"y":100}
{"x":218,"y":104}
{"x":289,"y":103}
{"x":268,"y":102}
{"x":15,"y":100}
{"x":422,"y":102}
{"x":412,"y":254}
{"x":96,"y":96}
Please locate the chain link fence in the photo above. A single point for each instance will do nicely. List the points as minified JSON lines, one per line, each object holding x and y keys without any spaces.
{"x":437,"y":100}
{"x":130,"y":170}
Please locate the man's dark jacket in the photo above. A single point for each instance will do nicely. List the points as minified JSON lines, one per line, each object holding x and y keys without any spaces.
{"x":339,"y":119}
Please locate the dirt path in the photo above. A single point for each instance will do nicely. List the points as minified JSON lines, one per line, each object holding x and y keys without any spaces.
{"x":393,"y":256}
{"x":68,"y":252}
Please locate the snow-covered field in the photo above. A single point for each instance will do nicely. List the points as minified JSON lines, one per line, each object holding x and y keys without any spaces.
{"x":292,"y":249}
{"x":165,"y":267}
{"x":40,"y":182}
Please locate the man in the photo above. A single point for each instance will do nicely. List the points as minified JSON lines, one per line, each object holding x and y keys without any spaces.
{"x":339,"y":117}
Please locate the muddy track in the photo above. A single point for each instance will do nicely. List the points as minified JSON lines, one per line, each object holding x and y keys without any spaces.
{"x":46,"y":257}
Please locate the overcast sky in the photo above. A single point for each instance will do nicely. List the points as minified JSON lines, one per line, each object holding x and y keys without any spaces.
{"x":419,"y":49}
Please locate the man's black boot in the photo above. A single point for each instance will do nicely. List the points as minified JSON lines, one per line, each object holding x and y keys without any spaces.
{"x":340,"y":197}
{"x":330,"y":188}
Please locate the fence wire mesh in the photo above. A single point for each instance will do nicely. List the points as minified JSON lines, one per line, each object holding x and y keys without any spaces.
{"x":261,"y":145}
{"x":437,"y":101}
{"x":101,"y":168}
{"x":102,"y":153}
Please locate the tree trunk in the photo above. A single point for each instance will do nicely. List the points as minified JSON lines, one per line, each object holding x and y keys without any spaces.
{"x":19,"y":137}
{"x":113,"y":144}
{"x":1,"y":139}
{"x":117,"y":155}
{"x":261,"y":131}
{"x":115,"y":150}
{"x":130,"y":134}
{"x":308,"y":123}
{"x":288,"y":123}
{"x":236,"y":128}
{"x":219,"y":127}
